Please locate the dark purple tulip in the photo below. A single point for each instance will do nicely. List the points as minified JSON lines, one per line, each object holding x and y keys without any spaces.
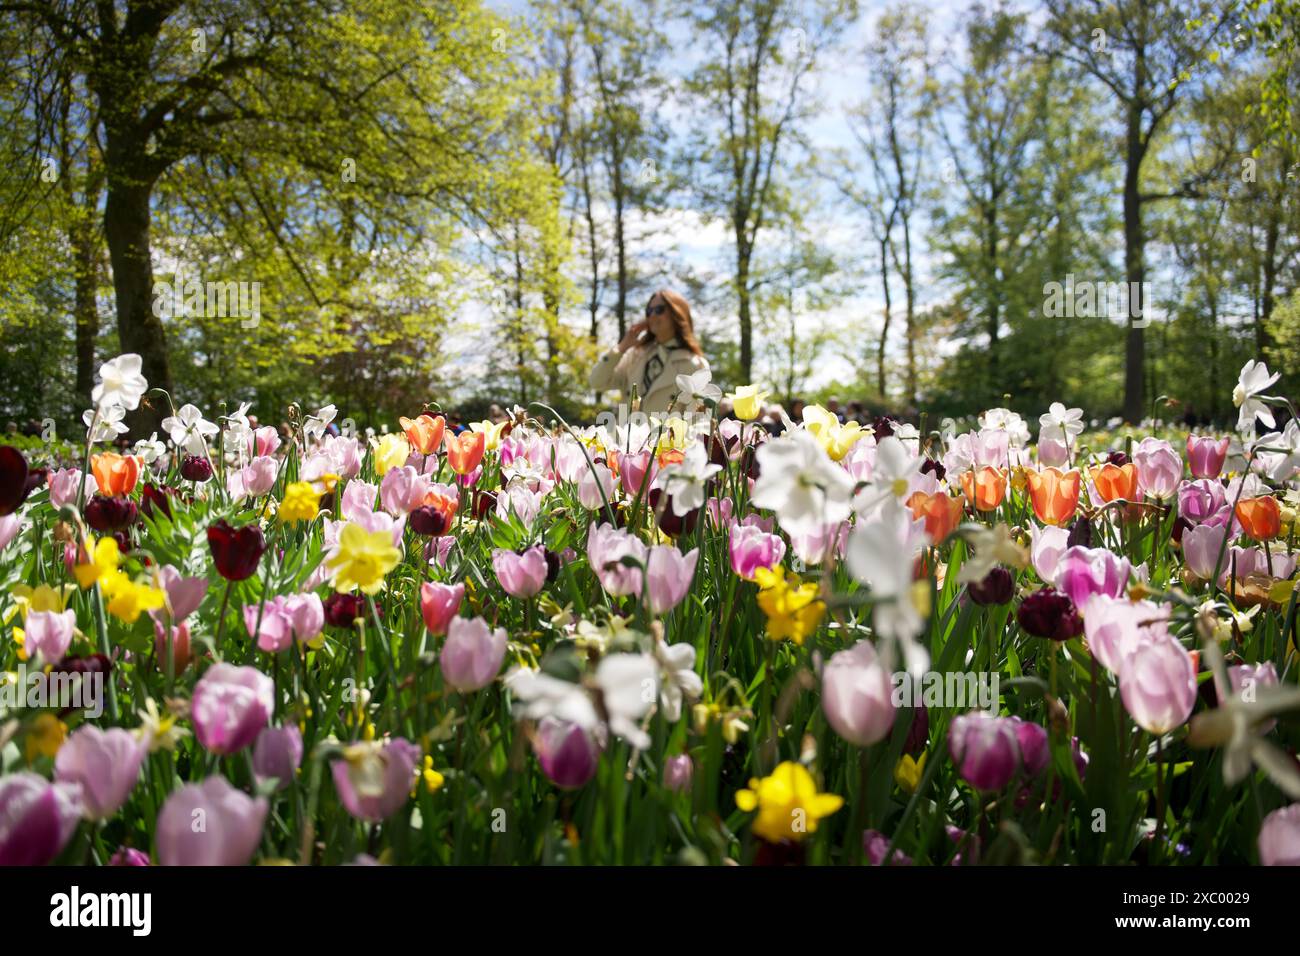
{"x":1080,"y":534}
{"x":157,"y":498}
{"x":883,"y":427}
{"x":1117,"y":458}
{"x":996,"y":587}
{"x":932,"y":467}
{"x":13,"y":480}
{"x":568,"y":754}
{"x":236,"y":551}
{"x":196,"y":468}
{"x":106,"y":514}
{"x":343,"y":610}
{"x":669,"y":523}
{"x":918,"y":734}
{"x":37,"y":818}
{"x":1049,"y":613}
{"x":429,"y":521}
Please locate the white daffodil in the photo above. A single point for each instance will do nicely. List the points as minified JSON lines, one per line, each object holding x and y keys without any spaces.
{"x":880,"y":553}
{"x":1251,"y":383}
{"x":1004,"y":419}
{"x":1279,"y":456}
{"x":108,"y":423}
{"x":545,"y":696}
{"x":891,"y":475}
{"x":990,"y":547}
{"x":189,"y":431}
{"x":313,"y":428}
{"x":1062,"y":420}
{"x":150,"y":449}
{"x":685,"y":481}
{"x":798,"y":480}
{"x":628,"y":684}
{"x":698,"y":387}
{"x":120,"y":383}
{"x":678,"y":678}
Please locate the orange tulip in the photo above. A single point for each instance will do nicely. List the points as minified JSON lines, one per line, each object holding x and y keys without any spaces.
{"x":1260,"y":517}
{"x":1115,"y":482}
{"x":444,"y":504}
{"x":424,"y":433}
{"x":115,"y":474}
{"x":984,"y":488}
{"x":1054,"y":493}
{"x":465,"y":451}
{"x":671,"y":456}
{"x":940,"y":512}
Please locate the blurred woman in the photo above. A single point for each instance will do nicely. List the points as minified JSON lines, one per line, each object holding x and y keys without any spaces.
{"x":652,"y":354}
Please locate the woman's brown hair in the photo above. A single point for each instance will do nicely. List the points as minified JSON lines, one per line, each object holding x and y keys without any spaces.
{"x":680,"y":310}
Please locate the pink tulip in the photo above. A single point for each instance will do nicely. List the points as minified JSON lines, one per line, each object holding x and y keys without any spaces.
{"x":306,"y":616}
{"x":1053,"y":453}
{"x":1206,"y":455}
{"x":127,"y":856}
{"x":1201,"y":546}
{"x":439,"y":603}
{"x":209,"y":824}
{"x":270,"y":625}
{"x":277,"y":755}
{"x":606,"y":547}
{"x":1202,"y":500}
{"x":10,"y":525}
{"x":64,"y":485}
{"x":358,"y":499}
{"x":1159,"y":468}
{"x":985,"y":749}
{"x":818,"y":542}
{"x":1046,"y":547}
{"x":635,"y":471}
{"x":719,"y":511}
{"x":596,"y":487}
{"x":1083,"y":572}
{"x":752,"y":548}
{"x":669,"y":573}
{"x":472,"y":654}
{"x":49,"y":634}
{"x":1115,"y":626}
{"x":1157,"y":683}
{"x":264,"y":441}
{"x":184,"y":595}
{"x":106,"y":763}
{"x":37,"y":818}
{"x":857,"y":695}
{"x":402,"y":490}
{"x":568,"y":755}
{"x":259,"y":476}
{"x":1032,"y":741}
{"x":230,"y":706}
{"x":522,"y":575}
{"x":1279,"y":837}
{"x":180,"y":640}
{"x":374,"y":779}
{"x":678,"y":771}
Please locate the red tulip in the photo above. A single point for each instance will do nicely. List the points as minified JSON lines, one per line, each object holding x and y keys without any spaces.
{"x":13,"y":480}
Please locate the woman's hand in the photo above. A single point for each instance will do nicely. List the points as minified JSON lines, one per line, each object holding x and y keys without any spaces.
{"x":632,"y":337}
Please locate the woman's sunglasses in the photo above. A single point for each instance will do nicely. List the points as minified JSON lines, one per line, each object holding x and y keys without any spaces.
{"x":655,"y":309}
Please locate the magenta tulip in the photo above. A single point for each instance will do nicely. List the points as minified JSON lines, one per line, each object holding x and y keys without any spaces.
{"x":1083,"y":572}
{"x":678,"y":771}
{"x":1206,"y":455}
{"x":209,"y":824}
{"x":751,"y":548}
{"x":277,"y":755}
{"x":568,"y":755}
{"x":668,"y":574}
{"x":230,"y":706}
{"x":37,"y":818}
{"x":985,"y":750}
{"x":106,"y":763}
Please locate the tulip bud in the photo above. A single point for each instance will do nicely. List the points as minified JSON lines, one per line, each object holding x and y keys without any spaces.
{"x":429,"y":521}
{"x":568,"y":755}
{"x":277,"y":755}
{"x":106,"y":514}
{"x":344,"y":610}
{"x":1050,"y":614}
{"x":678,"y":771}
{"x":196,"y":468}
{"x":985,"y":750}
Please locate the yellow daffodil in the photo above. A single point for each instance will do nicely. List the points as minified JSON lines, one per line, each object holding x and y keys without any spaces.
{"x":835,"y":437}
{"x":747,"y":402}
{"x":45,"y":737}
{"x":792,"y":607}
{"x":491,"y":432}
{"x":39,"y":598}
{"x":390,"y":451}
{"x":104,"y":558}
{"x":787,"y":802}
{"x":127,"y":599}
{"x":159,"y":731}
{"x":20,"y":638}
{"x":301,"y":503}
{"x":907,"y":772}
{"x":363,"y":558}
{"x":433,"y":780}
{"x":676,"y":435}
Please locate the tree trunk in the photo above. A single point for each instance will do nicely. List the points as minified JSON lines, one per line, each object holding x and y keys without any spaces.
{"x":746,"y":319}
{"x":85,"y":312}
{"x":139,"y":330}
{"x":882,"y":384}
{"x":1269,"y":282}
{"x":1135,"y":347}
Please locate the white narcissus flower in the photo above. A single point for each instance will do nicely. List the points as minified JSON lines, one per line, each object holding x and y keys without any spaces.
{"x":684,"y":481}
{"x":990,"y":547}
{"x":679,"y":680}
{"x":629,"y":684}
{"x":545,"y":696}
{"x":798,"y":480}
{"x":1062,"y":420}
{"x":1004,"y":419}
{"x":108,"y":423}
{"x":150,"y":449}
{"x":699,"y":386}
{"x":239,"y":430}
{"x":120,"y":383}
{"x":1252,"y":381}
{"x":891,"y":476}
{"x":880,"y":553}
{"x":314,"y":426}
{"x":189,"y":431}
